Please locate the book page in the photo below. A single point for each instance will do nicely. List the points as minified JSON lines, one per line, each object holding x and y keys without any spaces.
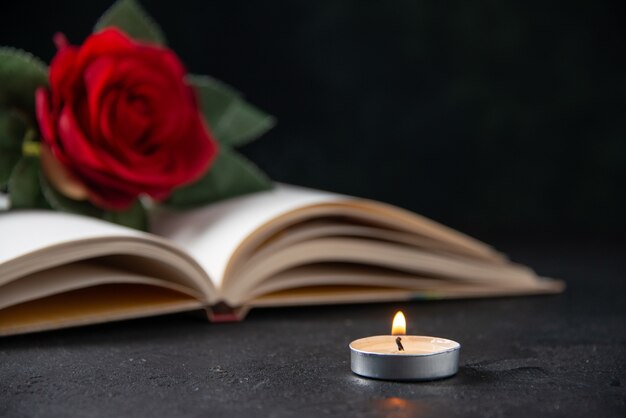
{"x":211,"y":234}
{"x":361,"y":252}
{"x":27,"y":231}
{"x":222,"y":236}
{"x":93,"y":305}
{"x":79,"y":275}
{"x":35,"y":240}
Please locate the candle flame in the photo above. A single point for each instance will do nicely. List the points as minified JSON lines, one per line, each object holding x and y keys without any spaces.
{"x":399,"y":324}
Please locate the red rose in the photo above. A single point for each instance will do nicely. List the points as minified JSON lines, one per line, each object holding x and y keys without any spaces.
{"x":120,"y":120}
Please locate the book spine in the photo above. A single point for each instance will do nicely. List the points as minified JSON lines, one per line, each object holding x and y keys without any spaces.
{"x":221,"y":312}
{"x":222,"y":317}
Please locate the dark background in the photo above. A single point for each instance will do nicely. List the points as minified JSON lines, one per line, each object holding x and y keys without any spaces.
{"x":503,"y":119}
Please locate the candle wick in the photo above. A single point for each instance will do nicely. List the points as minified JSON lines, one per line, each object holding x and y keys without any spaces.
{"x":399,"y":343}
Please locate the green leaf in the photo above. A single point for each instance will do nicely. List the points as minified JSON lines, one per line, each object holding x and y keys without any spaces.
{"x":63,"y":203}
{"x":231,"y":175}
{"x":243,"y":123}
{"x":24,"y":185}
{"x":232,"y":120}
{"x":20,"y":75}
{"x":134,"y":217}
{"x":215,"y":97}
{"x":131,"y":18}
{"x":7,"y":165}
{"x":12,"y":130}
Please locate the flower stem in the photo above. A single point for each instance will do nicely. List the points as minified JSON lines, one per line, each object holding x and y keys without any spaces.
{"x":31,"y":147}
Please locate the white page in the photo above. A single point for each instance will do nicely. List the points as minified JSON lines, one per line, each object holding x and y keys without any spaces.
{"x":211,"y":234}
{"x":25,"y":231}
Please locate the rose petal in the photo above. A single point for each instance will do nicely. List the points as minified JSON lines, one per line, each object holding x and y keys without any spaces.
{"x":109,"y":42}
{"x":63,"y":74}
{"x":44,"y":117}
{"x":60,"y":177}
{"x":97,"y":79}
{"x":75,"y":146}
{"x":121,"y":118}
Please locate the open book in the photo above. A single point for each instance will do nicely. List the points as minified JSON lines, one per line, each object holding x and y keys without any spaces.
{"x":288,"y":246}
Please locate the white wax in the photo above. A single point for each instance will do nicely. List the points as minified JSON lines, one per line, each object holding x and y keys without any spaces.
{"x":414,"y":345}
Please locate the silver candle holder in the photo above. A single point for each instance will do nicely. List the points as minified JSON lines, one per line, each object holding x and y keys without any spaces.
{"x":404,"y":357}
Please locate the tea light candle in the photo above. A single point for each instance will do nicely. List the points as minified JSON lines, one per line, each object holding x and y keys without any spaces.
{"x":404,"y":357}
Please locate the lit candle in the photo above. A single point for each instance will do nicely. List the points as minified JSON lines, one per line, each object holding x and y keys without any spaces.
{"x":404,"y":357}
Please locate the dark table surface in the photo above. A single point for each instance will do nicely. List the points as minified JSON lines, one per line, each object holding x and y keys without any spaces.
{"x":544,"y":356}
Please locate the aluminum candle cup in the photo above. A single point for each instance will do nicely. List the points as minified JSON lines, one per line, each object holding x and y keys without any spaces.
{"x":422,"y":358}
{"x":404,"y":357}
